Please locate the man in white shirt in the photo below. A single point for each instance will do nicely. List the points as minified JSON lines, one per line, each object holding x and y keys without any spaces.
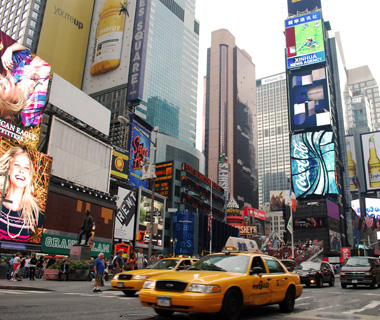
{"x":25,"y":273}
{"x":140,"y":259}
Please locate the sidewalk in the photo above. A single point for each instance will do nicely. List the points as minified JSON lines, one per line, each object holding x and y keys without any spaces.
{"x":52,"y":285}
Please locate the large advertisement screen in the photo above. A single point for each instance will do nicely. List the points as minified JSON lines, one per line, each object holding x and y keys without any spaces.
{"x":139,"y":149}
{"x":125,"y":215}
{"x":304,"y":40}
{"x":371,"y":151}
{"x":64,"y":37}
{"x":308,"y":99}
{"x":277,"y":199}
{"x":120,"y":163}
{"x":24,"y":178}
{"x":296,"y":6}
{"x":351,"y":161}
{"x":109,"y":45}
{"x":24,"y":82}
{"x":143,"y":227}
{"x":183,"y":232}
{"x":313,"y":164}
{"x":372,"y":206}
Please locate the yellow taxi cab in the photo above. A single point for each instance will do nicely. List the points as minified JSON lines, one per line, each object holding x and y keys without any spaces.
{"x":132,"y":281}
{"x":223,"y":283}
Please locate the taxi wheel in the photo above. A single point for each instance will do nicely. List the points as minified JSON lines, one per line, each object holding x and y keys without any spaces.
{"x":320,"y":282}
{"x":129,"y":293}
{"x":232,"y":305}
{"x":288,"y":304}
{"x":164,"y":313}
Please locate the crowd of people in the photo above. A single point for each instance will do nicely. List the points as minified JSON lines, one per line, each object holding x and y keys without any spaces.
{"x":25,"y":266}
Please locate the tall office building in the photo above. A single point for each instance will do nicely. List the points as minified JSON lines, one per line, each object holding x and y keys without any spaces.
{"x":273,"y":136}
{"x":169,"y":98}
{"x":22,"y":19}
{"x":230,"y":139}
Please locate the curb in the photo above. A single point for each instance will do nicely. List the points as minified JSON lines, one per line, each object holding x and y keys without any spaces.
{"x":25,"y":288}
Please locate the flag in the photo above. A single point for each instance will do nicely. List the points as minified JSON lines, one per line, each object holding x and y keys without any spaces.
{"x":209,"y":221}
{"x":293,"y":200}
{"x":290,"y":223}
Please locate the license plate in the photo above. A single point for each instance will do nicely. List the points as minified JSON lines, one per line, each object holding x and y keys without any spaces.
{"x":354,"y":281}
{"x":120,"y":284}
{"x":163,"y":301}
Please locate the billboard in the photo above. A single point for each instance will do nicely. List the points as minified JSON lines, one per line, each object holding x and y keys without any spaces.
{"x":351,"y":161}
{"x":164,"y":178}
{"x":143,"y":228}
{"x":109,"y":45}
{"x":139,"y":50}
{"x":183,"y":232}
{"x":313,"y":164}
{"x":64,"y":37}
{"x":139,"y":149}
{"x":332,"y":210}
{"x":25,"y":192}
{"x":371,"y":149}
{"x":277,"y":199}
{"x":355,"y":205}
{"x":308,"y":99}
{"x":125,"y":215}
{"x":372,"y":206}
{"x":296,"y":6}
{"x":304,"y":40}
{"x":24,"y":82}
{"x":78,"y":157}
{"x":120,"y":163}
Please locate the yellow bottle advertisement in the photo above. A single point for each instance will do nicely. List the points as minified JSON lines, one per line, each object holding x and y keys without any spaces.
{"x":109,"y":37}
{"x":350,"y":161}
{"x":373,"y":164}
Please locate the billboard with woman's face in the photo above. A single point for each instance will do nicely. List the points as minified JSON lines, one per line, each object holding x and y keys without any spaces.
{"x":24,"y":179}
{"x":24,"y":79}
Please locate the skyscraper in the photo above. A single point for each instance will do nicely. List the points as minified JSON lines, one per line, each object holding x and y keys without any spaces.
{"x":273,"y":136}
{"x":230,"y":140}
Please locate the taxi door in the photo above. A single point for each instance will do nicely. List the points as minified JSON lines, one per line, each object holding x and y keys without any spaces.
{"x":279,"y":279}
{"x":260,"y":284}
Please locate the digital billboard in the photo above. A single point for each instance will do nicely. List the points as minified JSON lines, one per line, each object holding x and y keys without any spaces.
{"x":308,"y":99}
{"x":64,"y":37}
{"x":24,"y":79}
{"x":277,"y":199}
{"x":143,"y":228}
{"x":355,"y":205}
{"x":109,"y":45}
{"x":120,"y":163}
{"x":23,"y":203}
{"x":351,"y":161}
{"x":296,"y":6}
{"x":371,"y":150}
{"x":304,"y":40}
{"x":125,"y":215}
{"x":332,"y":210}
{"x":313,"y":164}
{"x":139,"y":149}
{"x":372,"y":206}
{"x":183,"y":232}
{"x":164,"y":178}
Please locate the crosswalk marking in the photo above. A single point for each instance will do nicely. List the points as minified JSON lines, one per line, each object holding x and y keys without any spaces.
{"x":371,"y":305}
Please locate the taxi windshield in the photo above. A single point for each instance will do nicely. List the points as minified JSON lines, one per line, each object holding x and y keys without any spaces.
{"x":164,"y":264}
{"x":223,"y":263}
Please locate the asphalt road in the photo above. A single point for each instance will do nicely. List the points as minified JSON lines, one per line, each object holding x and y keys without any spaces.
{"x":73,"y":302}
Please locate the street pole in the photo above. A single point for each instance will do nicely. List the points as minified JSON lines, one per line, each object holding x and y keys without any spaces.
{"x":153,"y":190}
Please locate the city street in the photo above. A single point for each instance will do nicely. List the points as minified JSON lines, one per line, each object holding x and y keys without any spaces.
{"x":75,"y":300}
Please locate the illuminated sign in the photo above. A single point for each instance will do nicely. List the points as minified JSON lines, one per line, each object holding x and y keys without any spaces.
{"x":296,"y":6}
{"x":304,"y":40}
{"x":224,"y":175}
{"x":183,"y":232}
{"x":371,"y":152}
{"x":139,"y":51}
{"x":308,"y":99}
{"x":125,"y":214}
{"x":120,"y":163}
{"x":313,"y":164}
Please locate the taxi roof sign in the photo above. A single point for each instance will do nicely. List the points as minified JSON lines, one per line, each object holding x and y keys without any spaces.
{"x":242,"y":244}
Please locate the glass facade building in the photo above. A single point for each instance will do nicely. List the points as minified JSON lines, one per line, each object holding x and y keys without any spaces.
{"x":273,"y":136}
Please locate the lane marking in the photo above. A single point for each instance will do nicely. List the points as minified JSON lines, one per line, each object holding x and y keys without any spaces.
{"x":371,"y":305}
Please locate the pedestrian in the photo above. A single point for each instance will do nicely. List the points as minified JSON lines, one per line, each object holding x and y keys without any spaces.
{"x":25,"y":272}
{"x":32,"y":267}
{"x":118,"y":262}
{"x":140,"y":259}
{"x":11,"y":267}
{"x":64,"y":270}
{"x":153,"y":258}
{"x":21,"y":268}
{"x":16,"y":266}
{"x":39,"y":268}
{"x":99,"y":268}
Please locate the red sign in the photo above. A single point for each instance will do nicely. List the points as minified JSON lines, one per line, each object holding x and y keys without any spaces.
{"x":252,"y":212}
{"x":345,"y":252}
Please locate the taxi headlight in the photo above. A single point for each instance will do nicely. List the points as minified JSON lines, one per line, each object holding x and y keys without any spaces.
{"x":140,"y":277}
{"x":203,"y":288}
{"x":148,"y":285}
{"x":116,"y":277}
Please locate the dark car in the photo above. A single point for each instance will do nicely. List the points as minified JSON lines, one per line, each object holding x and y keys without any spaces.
{"x":360,"y":271}
{"x":316,"y":272}
{"x":289,"y":264}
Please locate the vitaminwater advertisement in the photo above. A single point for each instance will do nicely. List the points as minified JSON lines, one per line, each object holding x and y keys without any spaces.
{"x":109,"y":47}
{"x":371,"y":152}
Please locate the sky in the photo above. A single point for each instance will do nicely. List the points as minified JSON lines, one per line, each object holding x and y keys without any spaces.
{"x":258,"y":27}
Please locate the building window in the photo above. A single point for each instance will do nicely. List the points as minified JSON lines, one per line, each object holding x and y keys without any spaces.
{"x":29,"y":41}
{"x":31,"y":32}
{"x":34,"y":15}
{"x":33,"y":23}
{"x":36,"y":6}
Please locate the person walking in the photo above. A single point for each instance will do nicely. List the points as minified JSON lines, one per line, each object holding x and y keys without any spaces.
{"x":118,"y":262}
{"x":16,"y":266}
{"x":140,"y":259}
{"x":99,"y":268}
{"x":10,"y":273}
{"x":25,"y":272}
{"x":32,"y":267}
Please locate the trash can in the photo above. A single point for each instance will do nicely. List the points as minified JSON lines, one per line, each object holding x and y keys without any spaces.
{"x":3,"y":270}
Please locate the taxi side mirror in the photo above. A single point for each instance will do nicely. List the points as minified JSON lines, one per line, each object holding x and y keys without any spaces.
{"x":256,"y":270}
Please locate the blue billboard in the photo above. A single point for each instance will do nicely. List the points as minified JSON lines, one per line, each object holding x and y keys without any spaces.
{"x":139,"y":149}
{"x":312,"y":159}
{"x":308,"y":99}
{"x":304,"y":40}
{"x":296,"y":6}
{"x":183,"y":232}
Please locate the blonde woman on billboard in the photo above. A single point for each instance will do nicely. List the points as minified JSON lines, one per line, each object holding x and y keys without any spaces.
{"x":23,"y":85}
{"x":20,"y":215}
